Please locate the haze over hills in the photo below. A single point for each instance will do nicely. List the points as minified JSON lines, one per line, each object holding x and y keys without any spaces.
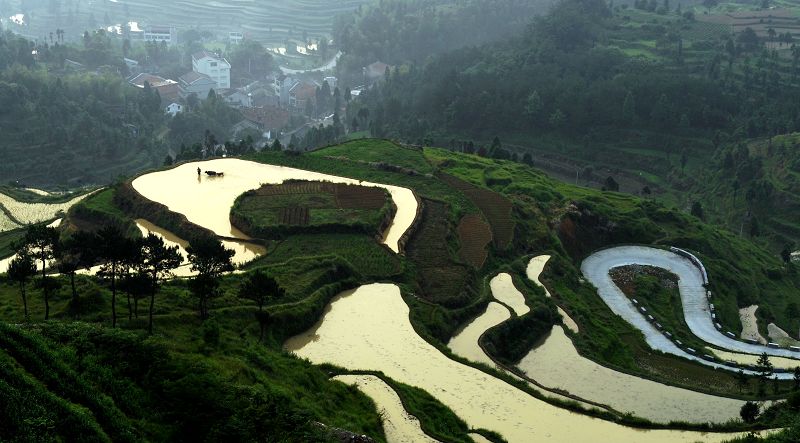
{"x":421,"y":220}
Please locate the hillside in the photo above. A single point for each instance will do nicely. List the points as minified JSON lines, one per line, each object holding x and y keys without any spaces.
{"x":565,"y":221}
{"x":652,"y":97}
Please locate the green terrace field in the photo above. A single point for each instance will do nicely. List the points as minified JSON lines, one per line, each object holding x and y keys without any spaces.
{"x":270,"y":22}
{"x":275,"y":210}
{"x":382,"y":152}
{"x":216,"y":367}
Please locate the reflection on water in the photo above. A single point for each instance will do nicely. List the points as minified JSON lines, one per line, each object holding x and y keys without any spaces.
{"x":7,"y":261}
{"x":534,"y":270}
{"x":398,"y":425}
{"x":356,"y":334}
{"x":503,"y":289}
{"x":207,"y":202}
{"x":557,"y":364}
{"x":465,"y":342}
{"x":749,"y":359}
{"x":244,"y":252}
{"x":478,"y":438}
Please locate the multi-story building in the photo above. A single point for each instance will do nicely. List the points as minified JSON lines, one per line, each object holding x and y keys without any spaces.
{"x":217,"y":68}
{"x":166,"y":34}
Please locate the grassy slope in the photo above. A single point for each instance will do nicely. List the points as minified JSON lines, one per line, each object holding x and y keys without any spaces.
{"x":379,"y":152}
{"x":641,"y":157}
{"x":738,"y":269}
{"x":307,"y":265}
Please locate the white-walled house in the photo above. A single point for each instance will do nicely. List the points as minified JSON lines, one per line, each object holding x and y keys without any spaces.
{"x":217,"y":68}
{"x":173,"y":109}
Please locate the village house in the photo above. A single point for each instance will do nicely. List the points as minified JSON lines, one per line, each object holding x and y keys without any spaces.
{"x":265,"y":119}
{"x":173,"y":109}
{"x":196,"y":83}
{"x":215,"y":67}
{"x":160,"y":33}
{"x":237,"y":98}
{"x":301,"y":94}
{"x":168,"y":90}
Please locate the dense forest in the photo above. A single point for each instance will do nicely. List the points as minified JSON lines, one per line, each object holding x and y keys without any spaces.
{"x":398,"y":31}
{"x":560,"y":77}
{"x":574,"y":83}
{"x":70,"y":128}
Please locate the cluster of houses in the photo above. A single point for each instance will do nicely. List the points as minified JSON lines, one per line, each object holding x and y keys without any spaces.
{"x":266,"y":106}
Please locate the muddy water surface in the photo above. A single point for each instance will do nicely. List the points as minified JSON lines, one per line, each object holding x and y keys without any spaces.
{"x":503,"y":289}
{"x":206,"y":201}
{"x":534,"y":270}
{"x":244,"y":252}
{"x":398,"y":425}
{"x":750,"y":324}
{"x":354,"y":333}
{"x":557,"y":364}
{"x":465,"y":342}
{"x":750,"y":359}
{"x":6,"y":261}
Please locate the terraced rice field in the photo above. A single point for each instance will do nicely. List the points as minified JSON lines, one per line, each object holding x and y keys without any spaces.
{"x":6,"y":224}
{"x":269,"y":21}
{"x":398,"y":425}
{"x":495,"y":207}
{"x":441,"y":279}
{"x":557,"y":364}
{"x":473,"y":235}
{"x":24,"y":213}
{"x":217,"y":194}
{"x":386,"y":341}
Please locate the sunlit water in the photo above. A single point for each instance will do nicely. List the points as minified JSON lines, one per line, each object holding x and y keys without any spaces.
{"x":503,"y":289}
{"x":6,"y":261}
{"x":398,"y":425}
{"x":206,"y":201}
{"x":557,"y":364}
{"x":750,"y":359}
{"x":534,"y":270}
{"x":37,"y":212}
{"x":368,"y":328}
{"x":244,"y":252}
{"x":747,"y":316}
{"x":465,"y":341}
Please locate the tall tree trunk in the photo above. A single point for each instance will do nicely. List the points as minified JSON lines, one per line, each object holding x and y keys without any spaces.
{"x":24,"y":300}
{"x":150,"y":320}
{"x":46,"y":290}
{"x":113,"y":298}
{"x":130,"y":308}
{"x":135,"y":307}
{"x":75,"y":300}
{"x":152,"y":304}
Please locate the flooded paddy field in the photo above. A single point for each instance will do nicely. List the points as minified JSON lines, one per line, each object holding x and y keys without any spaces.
{"x":206,"y":201}
{"x":384,"y":340}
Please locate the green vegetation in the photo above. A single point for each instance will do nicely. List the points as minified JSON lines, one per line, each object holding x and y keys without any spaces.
{"x":360,"y":251}
{"x":274,"y":211}
{"x":8,"y":241}
{"x":656,"y":290}
{"x":668,"y":100}
{"x":74,"y":129}
{"x":547,"y":217}
{"x":379,"y":151}
{"x":99,"y":210}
